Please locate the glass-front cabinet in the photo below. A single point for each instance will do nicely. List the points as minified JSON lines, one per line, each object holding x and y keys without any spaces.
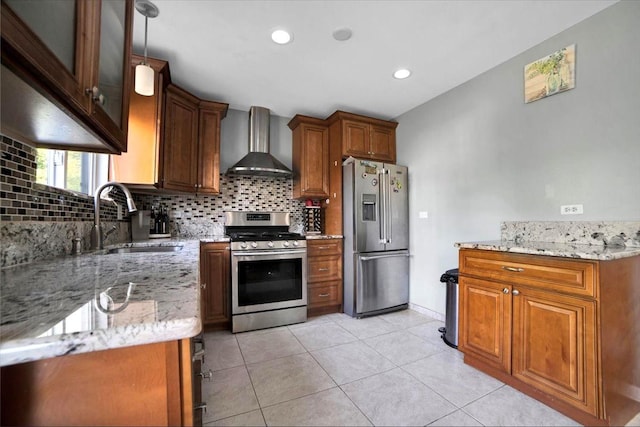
{"x":76,"y":53}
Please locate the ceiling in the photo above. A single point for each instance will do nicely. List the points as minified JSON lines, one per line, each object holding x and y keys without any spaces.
{"x":222,"y":50}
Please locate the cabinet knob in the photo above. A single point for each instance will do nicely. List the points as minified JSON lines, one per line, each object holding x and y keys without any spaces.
{"x":203,"y":285}
{"x":505,"y":291}
{"x":516,"y":292}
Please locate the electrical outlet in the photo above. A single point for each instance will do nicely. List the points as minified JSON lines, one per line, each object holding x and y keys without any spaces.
{"x":423,"y":214}
{"x":571,"y":210}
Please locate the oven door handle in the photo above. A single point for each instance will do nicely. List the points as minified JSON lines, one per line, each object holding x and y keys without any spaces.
{"x":268,"y":253}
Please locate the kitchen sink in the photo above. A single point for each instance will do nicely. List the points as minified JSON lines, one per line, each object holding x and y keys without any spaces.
{"x":147,"y":249}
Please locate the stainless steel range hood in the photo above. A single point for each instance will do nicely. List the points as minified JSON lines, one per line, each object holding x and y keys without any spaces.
{"x":259,"y":161}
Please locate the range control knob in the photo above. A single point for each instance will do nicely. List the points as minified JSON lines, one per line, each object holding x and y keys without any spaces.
{"x":243,"y":245}
{"x":270,"y":244}
{"x":254,"y":245}
{"x":295,"y":243}
{"x":285,"y":244}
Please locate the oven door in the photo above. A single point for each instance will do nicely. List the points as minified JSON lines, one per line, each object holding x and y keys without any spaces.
{"x":268,"y":280}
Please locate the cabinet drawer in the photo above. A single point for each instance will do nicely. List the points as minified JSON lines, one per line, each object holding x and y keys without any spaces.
{"x":324,"y":268}
{"x":557,"y":274}
{"x":323,"y":247}
{"x":325,"y":295}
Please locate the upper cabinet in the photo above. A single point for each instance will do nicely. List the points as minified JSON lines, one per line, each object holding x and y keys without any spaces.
{"x":365,"y":137}
{"x":190,"y":155}
{"x":174,"y":140}
{"x":76,"y":55}
{"x":310,"y":154}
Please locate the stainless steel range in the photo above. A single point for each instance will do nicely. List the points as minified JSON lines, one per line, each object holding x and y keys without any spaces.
{"x":268,"y":271}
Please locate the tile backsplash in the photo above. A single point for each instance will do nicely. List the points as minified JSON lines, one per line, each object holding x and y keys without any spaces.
{"x":38,"y":221}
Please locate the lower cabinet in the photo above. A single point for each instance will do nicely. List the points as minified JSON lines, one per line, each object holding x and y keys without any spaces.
{"x":535,"y":322}
{"x":141,"y":385}
{"x":215,"y":282}
{"x":324,"y":276}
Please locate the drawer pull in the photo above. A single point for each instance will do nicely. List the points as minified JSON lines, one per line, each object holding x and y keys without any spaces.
{"x":323,"y":295}
{"x":206,"y":375}
{"x":322,"y":247}
{"x":198,"y":355}
{"x":201,"y":406}
{"x":514,"y":269}
{"x":323,"y":269}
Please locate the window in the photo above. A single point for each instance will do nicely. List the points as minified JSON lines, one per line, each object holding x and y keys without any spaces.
{"x":71,"y":170}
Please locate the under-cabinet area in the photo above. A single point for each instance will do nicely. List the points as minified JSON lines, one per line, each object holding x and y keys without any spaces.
{"x":559,"y":329}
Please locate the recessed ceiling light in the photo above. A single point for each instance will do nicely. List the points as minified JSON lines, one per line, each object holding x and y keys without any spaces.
{"x":281,"y":37}
{"x":342,"y":34}
{"x":402,"y":73}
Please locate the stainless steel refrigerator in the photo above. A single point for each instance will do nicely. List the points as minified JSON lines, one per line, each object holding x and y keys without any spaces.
{"x":376,"y":237}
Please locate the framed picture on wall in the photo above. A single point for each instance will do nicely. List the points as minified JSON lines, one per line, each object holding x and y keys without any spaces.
{"x":550,"y":75}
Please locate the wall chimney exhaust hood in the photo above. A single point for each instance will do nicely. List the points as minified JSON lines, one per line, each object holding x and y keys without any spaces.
{"x":259,"y":161}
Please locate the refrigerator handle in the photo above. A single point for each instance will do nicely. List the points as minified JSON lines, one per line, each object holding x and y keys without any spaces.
{"x":369,"y":258}
{"x":382,"y":215}
{"x":386,"y":208}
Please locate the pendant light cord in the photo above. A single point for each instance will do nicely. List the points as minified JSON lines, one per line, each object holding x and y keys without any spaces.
{"x":146,"y":20}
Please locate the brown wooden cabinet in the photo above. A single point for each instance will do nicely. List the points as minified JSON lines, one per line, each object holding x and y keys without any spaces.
{"x":140,"y":385}
{"x":71,"y":68}
{"x":215,"y":279}
{"x":535,"y":322}
{"x":175,"y":140}
{"x":324,"y":276}
{"x":365,"y":137}
{"x":310,"y":157}
{"x":190,"y":156}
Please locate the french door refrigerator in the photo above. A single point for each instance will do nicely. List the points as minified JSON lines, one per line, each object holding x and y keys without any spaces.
{"x":376,"y":237}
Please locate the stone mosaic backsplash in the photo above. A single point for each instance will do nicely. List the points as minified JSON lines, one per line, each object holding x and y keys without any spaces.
{"x":38,"y":221}
{"x":195,"y":215}
{"x":601,"y":233}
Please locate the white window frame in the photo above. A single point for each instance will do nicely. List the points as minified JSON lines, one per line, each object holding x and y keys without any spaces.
{"x":94,"y":170}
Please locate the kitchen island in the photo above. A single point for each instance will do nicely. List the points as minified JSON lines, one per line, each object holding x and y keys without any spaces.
{"x":557,"y":321}
{"x":101,"y":338}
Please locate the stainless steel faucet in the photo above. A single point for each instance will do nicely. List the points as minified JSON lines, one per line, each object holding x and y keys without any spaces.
{"x":96,"y":231}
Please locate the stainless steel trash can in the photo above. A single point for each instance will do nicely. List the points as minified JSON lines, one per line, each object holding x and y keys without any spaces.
{"x":450,"y":330}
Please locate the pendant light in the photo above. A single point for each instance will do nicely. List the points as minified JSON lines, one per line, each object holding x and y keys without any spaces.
{"x":144,"y":81}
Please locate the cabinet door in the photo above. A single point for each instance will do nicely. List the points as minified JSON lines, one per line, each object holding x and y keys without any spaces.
{"x":484,"y":328}
{"x":215,"y":279}
{"x":110,"y":77}
{"x":355,"y":139}
{"x":554,"y":347}
{"x":314,"y":173}
{"x":209,"y":157}
{"x":48,"y":33}
{"x":180,"y":148}
{"x":383,"y":144}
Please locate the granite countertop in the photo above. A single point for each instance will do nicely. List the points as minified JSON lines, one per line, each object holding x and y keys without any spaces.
{"x":566,"y":250}
{"x":76,"y":304}
{"x":323,"y":236}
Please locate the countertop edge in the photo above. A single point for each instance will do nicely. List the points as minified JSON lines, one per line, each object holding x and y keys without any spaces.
{"x":562,"y":250}
{"x":28,"y":350}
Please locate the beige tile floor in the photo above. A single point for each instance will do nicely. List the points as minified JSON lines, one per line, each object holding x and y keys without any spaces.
{"x":333,"y":370}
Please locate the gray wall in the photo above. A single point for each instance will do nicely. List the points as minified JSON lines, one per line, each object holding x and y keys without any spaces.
{"x":478,"y":155}
{"x":234,"y":142}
